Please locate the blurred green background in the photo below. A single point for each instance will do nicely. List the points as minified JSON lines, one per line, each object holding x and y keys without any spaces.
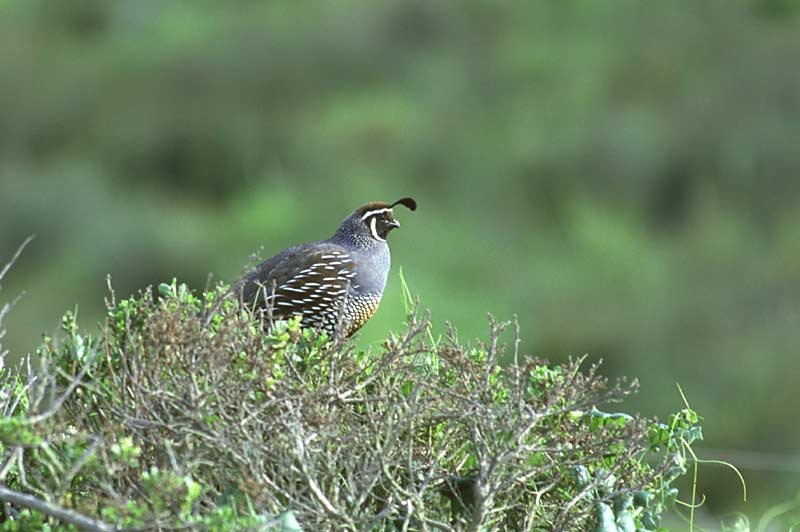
{"x":623,"y":176}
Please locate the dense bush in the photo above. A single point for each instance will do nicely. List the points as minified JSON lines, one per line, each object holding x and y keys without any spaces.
{"x":183,"y":413}
{"x":624,"y":173}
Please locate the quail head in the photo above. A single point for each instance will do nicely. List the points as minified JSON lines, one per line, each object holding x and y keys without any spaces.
{"x":331,"y":283}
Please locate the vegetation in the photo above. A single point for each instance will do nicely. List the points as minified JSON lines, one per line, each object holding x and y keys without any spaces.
{"x":184,"y":414}
{"x":620,"y":175}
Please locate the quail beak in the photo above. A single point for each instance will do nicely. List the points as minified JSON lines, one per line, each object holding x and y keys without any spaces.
{"x":394,"y":224}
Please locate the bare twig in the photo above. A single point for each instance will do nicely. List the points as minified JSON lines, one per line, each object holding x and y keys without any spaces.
{"x":24,"y":500}
{"x":16,"y":256}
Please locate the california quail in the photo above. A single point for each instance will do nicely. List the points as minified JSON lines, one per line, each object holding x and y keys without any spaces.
{"x":333,"y":281}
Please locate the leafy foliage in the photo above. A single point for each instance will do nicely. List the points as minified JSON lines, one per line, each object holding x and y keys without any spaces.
{"x":185,"y":413}
{"x":634,"y":164}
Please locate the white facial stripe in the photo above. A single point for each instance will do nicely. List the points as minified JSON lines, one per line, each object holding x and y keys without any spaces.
{"x":373,"y":213}
{"x":372,"y":225}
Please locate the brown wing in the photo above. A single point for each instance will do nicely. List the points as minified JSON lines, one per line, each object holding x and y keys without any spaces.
{"x":310,"y":282}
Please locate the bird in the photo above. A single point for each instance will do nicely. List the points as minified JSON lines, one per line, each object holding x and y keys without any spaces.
{"x":333,"y":284}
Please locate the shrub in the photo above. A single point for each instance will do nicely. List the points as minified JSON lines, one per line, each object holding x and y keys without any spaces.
{"x":184,"y":414}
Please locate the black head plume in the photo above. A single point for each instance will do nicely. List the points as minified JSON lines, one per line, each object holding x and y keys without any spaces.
{"x":408,"y":203}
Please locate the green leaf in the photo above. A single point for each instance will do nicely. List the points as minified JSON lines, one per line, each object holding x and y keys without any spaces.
{"x":605,"y":518}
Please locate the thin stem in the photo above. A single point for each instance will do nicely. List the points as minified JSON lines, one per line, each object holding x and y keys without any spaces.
{"x":62,"y":514}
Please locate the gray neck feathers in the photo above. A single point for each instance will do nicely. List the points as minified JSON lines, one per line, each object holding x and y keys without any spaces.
{"x":354,"y":234}
{"x":371,"y":255}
